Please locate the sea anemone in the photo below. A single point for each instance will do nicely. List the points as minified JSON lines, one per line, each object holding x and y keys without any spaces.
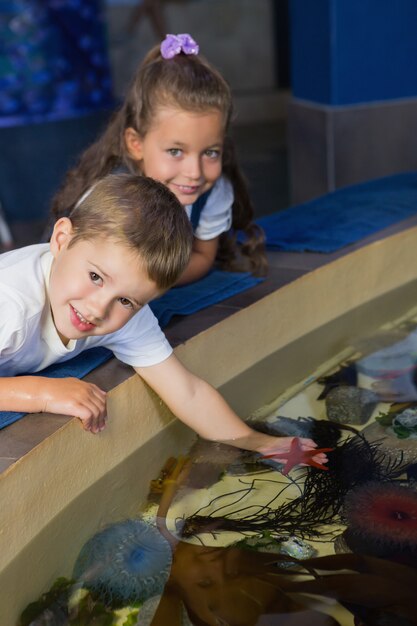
{"x":381,"y":520}
{"x":124,"y":563}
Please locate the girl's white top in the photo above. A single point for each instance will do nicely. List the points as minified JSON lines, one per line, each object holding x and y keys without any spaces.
{"x":216,"y":216}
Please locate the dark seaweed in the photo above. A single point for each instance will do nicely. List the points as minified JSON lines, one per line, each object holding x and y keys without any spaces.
{"x":345,"y":375}
{"x":353,"y":462}
{"x":326,"y":434}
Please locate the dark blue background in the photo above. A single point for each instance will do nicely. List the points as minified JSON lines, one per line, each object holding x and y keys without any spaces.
{"x":351,"y":51}
{"x":55,"y":95}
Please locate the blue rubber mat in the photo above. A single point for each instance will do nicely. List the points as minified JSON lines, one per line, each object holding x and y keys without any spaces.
{"x":211,"y":289}
{"x":342,"y":217}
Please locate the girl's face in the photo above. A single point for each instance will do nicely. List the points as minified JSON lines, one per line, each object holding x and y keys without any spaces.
{"x":182,"y":150}
{"x":95,"y":286}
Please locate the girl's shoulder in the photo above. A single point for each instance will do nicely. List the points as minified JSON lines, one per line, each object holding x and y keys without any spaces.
{"x":223,"y":185}
{"x":216,"y":216}
{"x":221,"y":196}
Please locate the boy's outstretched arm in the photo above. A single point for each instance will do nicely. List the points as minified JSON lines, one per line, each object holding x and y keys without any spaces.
{"x":65,"y":396}
{"x":201,"y":407}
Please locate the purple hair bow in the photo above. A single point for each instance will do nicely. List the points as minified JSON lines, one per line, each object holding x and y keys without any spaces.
{"x":174,"y":44}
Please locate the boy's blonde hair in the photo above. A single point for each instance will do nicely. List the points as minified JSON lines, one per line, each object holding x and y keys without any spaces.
{"x":144,"y":215}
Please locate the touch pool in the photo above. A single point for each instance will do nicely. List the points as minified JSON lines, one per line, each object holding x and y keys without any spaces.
{"x":99,"y":481}
{"x":230,"y":537}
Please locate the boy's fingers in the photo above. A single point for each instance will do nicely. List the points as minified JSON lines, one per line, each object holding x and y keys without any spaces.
{"x":93,"y":425}
{"x":99,"y":392}
{"x":89,"y":411}
{"x":93,"y":415}
{"x":97,"y":408}
{"x":100,"y":423}
{"x":307,"y":443}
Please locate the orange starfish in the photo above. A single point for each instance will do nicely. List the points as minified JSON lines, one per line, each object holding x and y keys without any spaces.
{"x":298,"y":455}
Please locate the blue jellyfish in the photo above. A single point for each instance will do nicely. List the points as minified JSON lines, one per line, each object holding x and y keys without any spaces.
{"x":125,"y":562}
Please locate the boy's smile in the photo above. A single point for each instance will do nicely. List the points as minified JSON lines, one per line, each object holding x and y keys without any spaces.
{"x":78,"y":321}
{"x":95,"y":286}
{"x":182,"y":149}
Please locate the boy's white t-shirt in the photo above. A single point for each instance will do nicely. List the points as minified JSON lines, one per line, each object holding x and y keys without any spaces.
{"x":216,"y":216}
{"x":29,"y":341}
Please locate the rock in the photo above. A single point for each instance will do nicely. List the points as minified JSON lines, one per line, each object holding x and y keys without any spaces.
{"x":350,"y":405}
{"x":400,"y":450}
{"x":407,"y":418}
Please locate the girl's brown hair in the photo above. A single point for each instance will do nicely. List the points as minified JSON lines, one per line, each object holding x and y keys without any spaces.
{"x":186,"y":82}
{"x":142,"y":214}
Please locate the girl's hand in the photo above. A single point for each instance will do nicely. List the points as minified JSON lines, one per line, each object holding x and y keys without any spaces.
{"x":71,"y":396}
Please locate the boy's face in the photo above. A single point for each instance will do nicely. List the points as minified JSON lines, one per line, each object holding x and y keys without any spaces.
{"x":183,"y":150}
{"x":96,"y":286}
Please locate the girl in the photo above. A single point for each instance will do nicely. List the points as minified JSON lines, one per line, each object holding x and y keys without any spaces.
{"x":173,"y":127}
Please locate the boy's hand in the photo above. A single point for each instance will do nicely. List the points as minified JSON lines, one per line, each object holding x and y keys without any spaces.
{"x":301,"y":453}
{"x":71,"y":396}
{"x":295,"y":451}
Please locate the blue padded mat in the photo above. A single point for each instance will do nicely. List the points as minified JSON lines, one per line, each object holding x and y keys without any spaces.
{"x":342,"y":217}
{"x":213,"y":288}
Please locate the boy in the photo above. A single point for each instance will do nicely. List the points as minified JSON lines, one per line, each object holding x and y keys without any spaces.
{"x":123,"y":245}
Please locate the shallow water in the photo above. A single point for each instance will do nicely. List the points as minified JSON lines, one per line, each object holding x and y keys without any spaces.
{"x":230,"y":540}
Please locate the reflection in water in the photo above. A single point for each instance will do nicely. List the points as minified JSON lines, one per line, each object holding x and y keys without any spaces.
{"x":237,"y":587}
{"x":232,"y":586}
{"x":240,"y":534}
{"x":386,"y":364}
